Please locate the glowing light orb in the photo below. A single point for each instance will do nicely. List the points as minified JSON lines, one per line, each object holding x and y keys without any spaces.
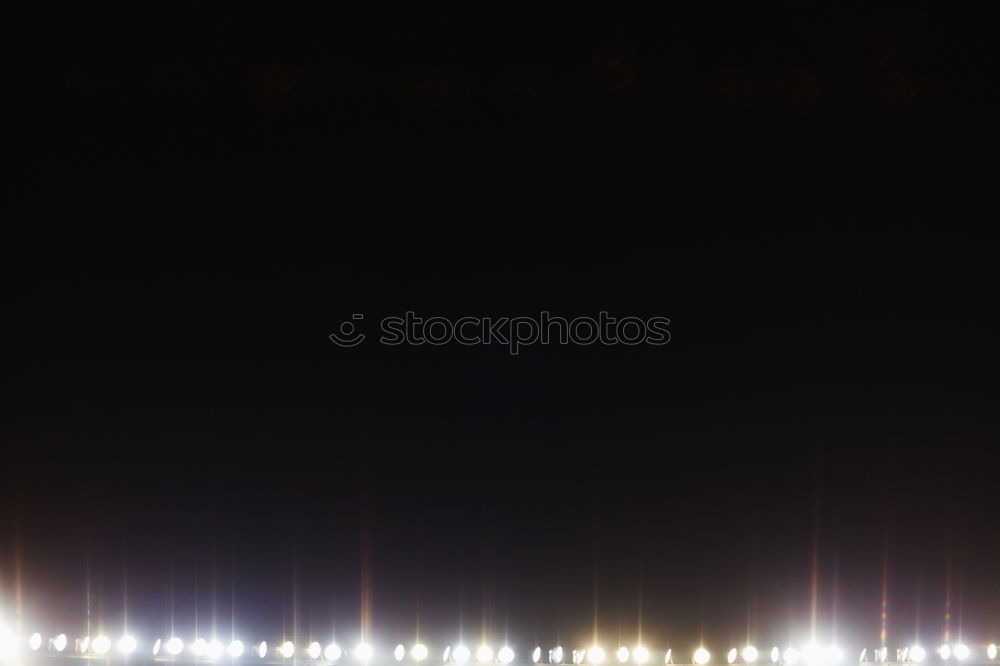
{"x":399,"y":652}
{"x":749,"y":654}
{"x":945,"y":651}
{"x":126,"y":644}
{"x":556,"y":655}
{"x":731,"y":656}
{"x":8,"y":643}
{"x":961,"y":652}
{"x":199,"y":647}
{"x":418,"y":652}
{"x":595,"y":654}
{"x":991,"y":651}
{"x":447,"y":654}
{"x":59,"y":642}
{"x":235,"y":649}
{"x":332,"y":652}
{"x":215,"y":649}
{"x":484,"y":654}
{"x":917,"y":654}
{"x":460,"y":654}
{"x":834,"y":655}
{"x":701,"y":656}
{"x":363,"y":651}
{"x":775,"y":655}
{"x":174,"y":646}
{"x":314,"y":650}
{"x":813,"y":655}
{"x":640,"y":654}
{"x":35,"y":641}
{"x":536,"y":655}
{"x":668,"y":658}
{"x":261,"y":649}
{"x":100,"y":645}
{"x":505,"y":655}
{"x":286,"y":650}
{"x":790,"y":656}
{"x":621,"y":654}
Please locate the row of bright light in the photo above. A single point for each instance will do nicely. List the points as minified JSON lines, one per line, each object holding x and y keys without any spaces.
{"x":811,"y":655}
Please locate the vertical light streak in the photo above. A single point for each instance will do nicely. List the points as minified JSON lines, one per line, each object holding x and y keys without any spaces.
{"x":947,"y":599}
{"x":18,"y":583}
{"x":232,"y":592}
{"x":884,"y":613}
{"x":366,"y":588}
{"x":641,"y":572}
{"x":597,"y":541}
{"x":125,"y":578}
{"x":814,"y":563}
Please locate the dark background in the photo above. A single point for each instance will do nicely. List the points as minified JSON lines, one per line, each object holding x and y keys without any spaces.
{"x":198,"y":198}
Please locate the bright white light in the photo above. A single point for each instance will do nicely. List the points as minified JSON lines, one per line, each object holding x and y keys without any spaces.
{"x":556,"y":655}
{"x":262,"y":649}
{"x":961,"y":652}
{"x":157,"y":644}
{"x":332,"y":652}
{"x":701,"y":656}
{"x":749,"y":654}
{"x":917,"y":654}
{"x":861,"y":658}
{"x":215,"y":649}
{"x":812,"y":655}
{"x":35,"y":641}
{"x":235,"y":649}
{"x":484,"y":654}
{"x":595,"y":654}
{"x":505,"y":655}
{"x":945,"y":652}
{"x":83,"y":644}
{"x":991,"y":651}
{"x":126,"y":644}
{"x":199,"y":647}
{"x":460,"y":654}
{"x":447,"y":654}
{"x":418,"y":652}
{"x":287,"y":650}
{"x":399,"y":652}
{"x":775,"y":655}
{"x":363,"y":651}
{"x":174,"y":646}
{"x":536,"y":655}
{"x":100,"y":645}
{"x":314,"y":650}
{"x":59,"y":643}
{"x":668,"y":658}
{"x":640,"y":654}
{"x":8,"y":643}
{"x":791,"y":656}
{"x":731,"y":656}
{"x":621,"y":654}
{"x":834,"y":655}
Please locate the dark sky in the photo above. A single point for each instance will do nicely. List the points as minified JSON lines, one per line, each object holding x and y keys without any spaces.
{"x":199,"y":200}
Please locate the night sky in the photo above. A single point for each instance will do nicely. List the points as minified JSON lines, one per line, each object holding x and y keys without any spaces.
{"x":198,"y":200}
